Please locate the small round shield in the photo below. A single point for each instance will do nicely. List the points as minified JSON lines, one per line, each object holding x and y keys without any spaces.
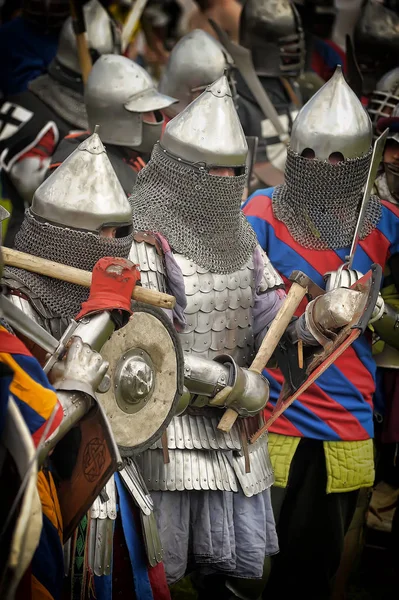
{"x":146,"y":371}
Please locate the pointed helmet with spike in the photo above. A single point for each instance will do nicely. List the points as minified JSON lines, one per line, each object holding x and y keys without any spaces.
{"x":195,"y":62}
{"x":332,"y":121}
{"x":192,"y":188}
{"x":208,"y":132}
{"x":327,"y":165}
{"x":84,"y":192}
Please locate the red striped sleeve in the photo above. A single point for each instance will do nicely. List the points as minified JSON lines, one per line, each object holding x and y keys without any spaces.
{"x":261,"y":207}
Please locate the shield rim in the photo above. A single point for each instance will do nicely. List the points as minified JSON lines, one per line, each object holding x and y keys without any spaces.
{"x":166,"y":322}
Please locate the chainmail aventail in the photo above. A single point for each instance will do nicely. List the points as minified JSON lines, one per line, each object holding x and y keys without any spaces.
{"x":320,"y":202}
{"x":198,"y":213}
{"x":71,"y":247}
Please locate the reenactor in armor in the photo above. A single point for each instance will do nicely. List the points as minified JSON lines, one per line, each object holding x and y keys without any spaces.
{"x":36,"y":417}
{"x":211,"y":492}
{"x":32,"y":123}
{"x":121,"y":99}
{"x":276,"y":44}
{"x":323,"y":450}
{"x":79,"y":215}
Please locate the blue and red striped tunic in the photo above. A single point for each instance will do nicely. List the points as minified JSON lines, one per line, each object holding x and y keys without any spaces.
{"x":339,"y":406}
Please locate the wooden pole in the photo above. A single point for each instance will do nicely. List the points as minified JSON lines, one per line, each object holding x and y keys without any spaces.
{"x":279,"y":325}
{"x":49,"y":268}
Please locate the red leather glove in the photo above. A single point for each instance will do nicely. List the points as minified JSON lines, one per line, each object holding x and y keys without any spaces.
{"x":112,"y":285}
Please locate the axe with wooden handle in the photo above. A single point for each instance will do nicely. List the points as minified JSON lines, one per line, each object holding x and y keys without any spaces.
{"x":299,"y":288}
{"x":35,"y":264}
{"x":79,"y":27}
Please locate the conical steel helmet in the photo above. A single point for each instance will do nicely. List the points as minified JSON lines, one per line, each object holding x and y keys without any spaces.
{"x":208,"y":131}
{"x":84,"y":192}
{"x":332,"y":121}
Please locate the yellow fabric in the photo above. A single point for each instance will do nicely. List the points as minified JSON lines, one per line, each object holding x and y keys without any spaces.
{"x":49,"y":499}
{"x":24,"y":387}
{"x":350,"y":465}
{"x":282,"y":449}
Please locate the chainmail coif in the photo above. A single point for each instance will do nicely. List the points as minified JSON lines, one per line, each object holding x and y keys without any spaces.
{"x":71,"y":247}
{"x":320,"y":202}
{"x":198,"y":213}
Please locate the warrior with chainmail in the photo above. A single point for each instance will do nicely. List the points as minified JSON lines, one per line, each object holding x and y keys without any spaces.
{"x":211,"y":490}
{"x":276,"y":44}
{"x":78,"y":215}
{"x":36,"y":417}
{"x":33,"y":122}
{"x":322,"y":448}
{"x":121,"y":99}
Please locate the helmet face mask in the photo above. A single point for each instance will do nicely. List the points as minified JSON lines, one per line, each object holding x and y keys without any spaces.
{"x":385,"y":97}
{"x":275,"y":37}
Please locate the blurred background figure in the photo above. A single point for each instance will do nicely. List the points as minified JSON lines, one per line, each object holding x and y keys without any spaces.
{"x":28,"y":40}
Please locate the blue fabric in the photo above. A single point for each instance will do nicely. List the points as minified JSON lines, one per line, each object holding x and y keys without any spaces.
{"x":339,"y":405}
{"x":103,"y":587}
{"x":25,"y":54}
{"x":48,"y":560}
{"x":134,"y":544}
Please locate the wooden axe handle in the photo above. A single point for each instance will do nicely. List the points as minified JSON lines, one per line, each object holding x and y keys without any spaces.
{"x":269,"y":343}
{"x":85,"y":60}
{"x":35,"y":264}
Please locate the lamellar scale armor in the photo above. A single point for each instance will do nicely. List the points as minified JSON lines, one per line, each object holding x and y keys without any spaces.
{"x":203,"y":251}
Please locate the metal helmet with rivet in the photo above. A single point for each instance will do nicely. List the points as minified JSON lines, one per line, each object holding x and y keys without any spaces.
{"x":84,"y":192}
{"x":208,"y":131}
{"x":333,"y":120}
{"x":117,"y":93}
{"x":196,"y":61}
{"x":78,"y":215}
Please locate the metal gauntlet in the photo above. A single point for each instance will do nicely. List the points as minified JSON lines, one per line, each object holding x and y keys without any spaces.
{"x":223,"y":383}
